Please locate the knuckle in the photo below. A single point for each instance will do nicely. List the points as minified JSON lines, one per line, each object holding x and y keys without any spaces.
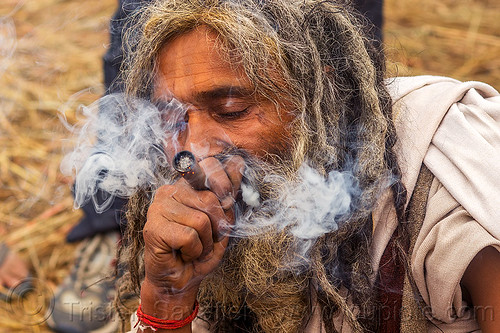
{"x":198,"y":249}
{"x":209,"y":199}
{"x":148,"y":233}
{"x":165,"y":191}
{"x":191,"y":235}
{"x":204,"y":225}
{"x":152,"y":215}
{"x":153,"y":208}
{"x":200,"y":220}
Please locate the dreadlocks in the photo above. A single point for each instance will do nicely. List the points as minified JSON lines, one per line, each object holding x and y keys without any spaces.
{"x":314,"y":57}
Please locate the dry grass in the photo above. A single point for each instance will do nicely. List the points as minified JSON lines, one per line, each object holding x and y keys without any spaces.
{"x":57,"y":65}
{"x":457,"y":38}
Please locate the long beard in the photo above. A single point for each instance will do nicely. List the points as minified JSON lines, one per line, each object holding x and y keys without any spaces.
{"x":265,"y":280}
{"x":255,"y":282}
{"x":254,"y":276}
{"x":268,"y":275}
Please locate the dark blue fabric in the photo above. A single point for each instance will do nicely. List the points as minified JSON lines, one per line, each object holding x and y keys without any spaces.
{"x":373,"y":11}
{"x":94,"y":223}
{"x":113,"y":58}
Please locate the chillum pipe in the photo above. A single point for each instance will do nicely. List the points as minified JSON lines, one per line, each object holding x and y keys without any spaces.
{"x":185,"y":164}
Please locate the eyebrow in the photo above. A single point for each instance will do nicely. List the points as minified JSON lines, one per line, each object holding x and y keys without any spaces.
{"x":223,"y":92}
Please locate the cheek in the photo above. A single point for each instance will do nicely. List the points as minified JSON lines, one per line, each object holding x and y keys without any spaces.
{"x":279,"y":142}
{"x":264,"y":140}
{"x":279,"y":138}
{"x":267,"y":133}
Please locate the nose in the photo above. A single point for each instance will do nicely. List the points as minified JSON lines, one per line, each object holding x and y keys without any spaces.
{"x":204,"y":136}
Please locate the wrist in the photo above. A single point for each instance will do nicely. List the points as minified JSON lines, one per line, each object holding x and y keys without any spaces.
{"x":161,"y":303}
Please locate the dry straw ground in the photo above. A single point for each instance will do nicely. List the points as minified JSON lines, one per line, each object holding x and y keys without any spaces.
{"x":56,"y":65}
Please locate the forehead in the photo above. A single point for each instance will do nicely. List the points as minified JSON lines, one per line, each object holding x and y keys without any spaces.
{"x":193,"y":62}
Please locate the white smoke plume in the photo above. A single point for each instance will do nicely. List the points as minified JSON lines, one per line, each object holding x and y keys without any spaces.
{"x":307,"y":208}
{"x":119,"y":146}
{"x":313,"y":205}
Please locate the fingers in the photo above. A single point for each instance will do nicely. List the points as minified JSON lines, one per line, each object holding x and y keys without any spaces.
{"x":234,"y":166}
{"x":200,"y":212}
{"x":217,"y":180}
{"x":178,"y":238}
{"x":206,"y":202}
{"x":190,"y":222}
{"x":223,"y":179}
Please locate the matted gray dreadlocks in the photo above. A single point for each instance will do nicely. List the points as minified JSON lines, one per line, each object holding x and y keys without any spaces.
{"x":333,"y":78}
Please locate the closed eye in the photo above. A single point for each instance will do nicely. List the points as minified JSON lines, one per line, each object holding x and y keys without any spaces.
{"x":233,"y":115}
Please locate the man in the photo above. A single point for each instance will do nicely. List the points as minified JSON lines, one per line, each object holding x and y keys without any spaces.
{"x":99,"y":229}
{"x":274,"y":86}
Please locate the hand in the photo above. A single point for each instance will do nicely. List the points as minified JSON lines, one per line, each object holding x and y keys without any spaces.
{"x":184,"y":233}
{"x":482,"y":283}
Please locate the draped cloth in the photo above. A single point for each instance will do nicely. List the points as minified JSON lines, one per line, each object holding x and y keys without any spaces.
{"x":454,"y":129}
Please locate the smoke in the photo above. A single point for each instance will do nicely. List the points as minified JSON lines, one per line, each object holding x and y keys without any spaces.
{"x":313,"y":205}
{"x":120,"y":144}
{"x":120,"y":147}
{"x":309,"y":207}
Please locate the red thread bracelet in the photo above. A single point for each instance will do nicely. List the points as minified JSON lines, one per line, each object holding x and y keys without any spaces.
{"x":166,"y":324}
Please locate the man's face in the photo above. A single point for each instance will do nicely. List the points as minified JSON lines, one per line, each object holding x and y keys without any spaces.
{"x":223,"y":110}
